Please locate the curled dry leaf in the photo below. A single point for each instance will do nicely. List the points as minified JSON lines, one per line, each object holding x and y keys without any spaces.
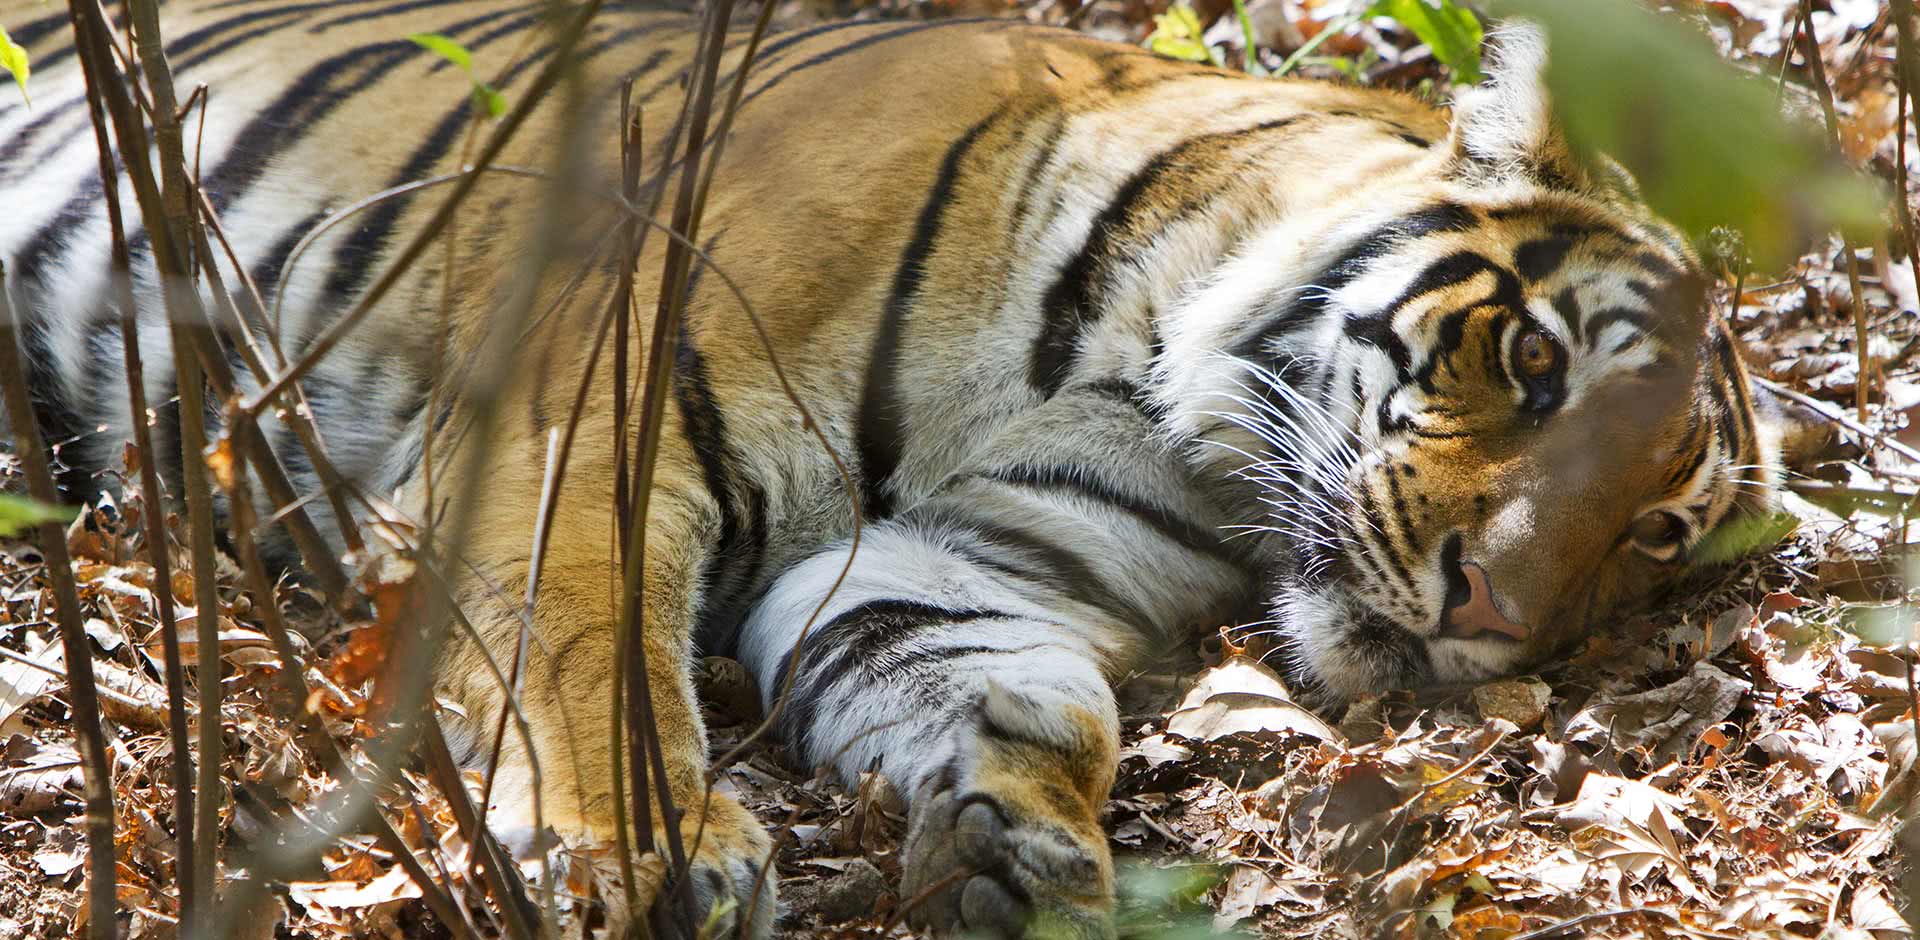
{"x":233,"y":638}
{"x":1667,"y":720}
{"x":1243,"y":695}
{"x":48,"y":783}
{"x":130,"y":697}
{"x":22,"y":682}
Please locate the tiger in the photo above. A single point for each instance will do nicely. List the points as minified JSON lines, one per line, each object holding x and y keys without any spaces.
{"x":1112,"y":347}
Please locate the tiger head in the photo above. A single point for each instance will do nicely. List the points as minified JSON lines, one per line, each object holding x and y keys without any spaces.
{"x":1485,"y":404}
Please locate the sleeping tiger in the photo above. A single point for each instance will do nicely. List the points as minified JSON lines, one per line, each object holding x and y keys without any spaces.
{"x":1115,"y":347}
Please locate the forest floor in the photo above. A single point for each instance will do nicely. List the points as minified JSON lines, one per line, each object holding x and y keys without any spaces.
{"x":1733,"y":764}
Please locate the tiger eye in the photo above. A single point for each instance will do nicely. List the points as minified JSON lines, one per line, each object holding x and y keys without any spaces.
{"x":1536,"y":355}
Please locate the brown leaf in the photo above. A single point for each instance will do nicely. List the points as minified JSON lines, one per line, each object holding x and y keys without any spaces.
{"x":40,"y":786}
{"x":1667,"y":720}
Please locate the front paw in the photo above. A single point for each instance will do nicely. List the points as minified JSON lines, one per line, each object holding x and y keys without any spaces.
{"x":974,"y":868}
{"x":725,"y":847}
{"x":1007,"y":841}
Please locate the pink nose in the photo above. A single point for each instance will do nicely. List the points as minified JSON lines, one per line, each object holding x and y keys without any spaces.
{"x":1479,"y":614}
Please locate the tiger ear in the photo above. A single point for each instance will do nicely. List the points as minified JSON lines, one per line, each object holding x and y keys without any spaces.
{"x":1504,"y":127}
{"x":1797,"y":435}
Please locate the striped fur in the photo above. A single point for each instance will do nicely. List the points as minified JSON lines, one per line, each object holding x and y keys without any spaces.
{"x":1078,"y":315}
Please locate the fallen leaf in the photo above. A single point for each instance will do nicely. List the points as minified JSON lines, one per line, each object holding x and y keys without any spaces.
{"x":1241,"y":695}
{"x":1667,"y":720}
{"x":40,"y":786}
{"x":21,"y":683}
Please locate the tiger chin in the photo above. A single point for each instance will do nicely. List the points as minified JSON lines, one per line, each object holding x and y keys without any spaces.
{"x":1113,"y":347}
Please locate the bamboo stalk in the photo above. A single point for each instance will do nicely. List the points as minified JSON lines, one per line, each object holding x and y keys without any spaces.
{"x":98,"y":783}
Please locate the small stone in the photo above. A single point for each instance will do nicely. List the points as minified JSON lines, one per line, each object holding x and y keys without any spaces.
{"x":1522,"y":701}
{"x":854,"y":893}
{"x":728,"y":689}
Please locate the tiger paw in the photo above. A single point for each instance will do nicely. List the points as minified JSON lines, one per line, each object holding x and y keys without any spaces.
{"x":725,"y":848}
{"x":1007,"y":843}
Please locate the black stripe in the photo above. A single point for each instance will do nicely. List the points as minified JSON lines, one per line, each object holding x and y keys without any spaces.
{"x":1376,"y":329}
{"x":882,"y":429}
{"x":1536,"y":260}
{"x":1403,"y":517}
{"x":382,"y":11}
{"x":1599,"y":322}
{"x":1073,"y":303}
{"x":1697,"y":446}
{"x":1085,"y":482}
{"x":1039,"y":561}
{"x":831,"y":651}
{"x":11,"y":166}
{"x":1386,"y":548}
{"x":354,"y":257}
{"x":1567,"y":304}
{"x":733,"y":566}
{"x":1036,"y":171}
{"x":1304,"y":306}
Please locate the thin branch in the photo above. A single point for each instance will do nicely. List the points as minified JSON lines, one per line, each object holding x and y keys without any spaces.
{"x":557,"y":65}
{"x":1863,"y":354}
{"x":102,"y":920}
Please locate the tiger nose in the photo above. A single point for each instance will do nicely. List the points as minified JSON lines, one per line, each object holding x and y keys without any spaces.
{"x":1471,"y":610}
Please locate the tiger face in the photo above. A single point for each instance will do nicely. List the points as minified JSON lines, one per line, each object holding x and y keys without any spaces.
{"x":1485,"y":413}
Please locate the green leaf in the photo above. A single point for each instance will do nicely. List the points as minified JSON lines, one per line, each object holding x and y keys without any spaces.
{"x":1449,"y":29}
{"x":1705,"y":139}
{"x":13,"y":58}
{"x":445,"y":48}
{"x":1176,"y":35}
{"x":18,"y":514}
{"x":1190,"y":50}
{"x":488,"y":101}
{"x":1741,"y":535}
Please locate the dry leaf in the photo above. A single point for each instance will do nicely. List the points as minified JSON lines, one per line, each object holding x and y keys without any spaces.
{"x":21,"y":683}
{"x":1242,"y":695}
{"x":1667,"y":720}
{"x":40,"y":786}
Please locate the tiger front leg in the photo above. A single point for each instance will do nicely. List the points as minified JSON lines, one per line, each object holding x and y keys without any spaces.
{"x":984,"y":704}
{"x":566,"y":698}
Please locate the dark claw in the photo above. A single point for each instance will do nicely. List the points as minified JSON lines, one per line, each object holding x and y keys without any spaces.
{"x":979,"y":834}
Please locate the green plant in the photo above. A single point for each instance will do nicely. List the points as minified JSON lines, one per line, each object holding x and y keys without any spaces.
{"x":1705,"y":139}
{"x":1449,"y":29}
{"x":486,"y":99}
{"x":13,"y":58}
{"x":1252,"y":41}
{"x":18,"y":514}
{"x":1177,"y":35}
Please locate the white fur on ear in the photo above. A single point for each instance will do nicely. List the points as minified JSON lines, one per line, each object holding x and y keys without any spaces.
{"x":1507,"y":121}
